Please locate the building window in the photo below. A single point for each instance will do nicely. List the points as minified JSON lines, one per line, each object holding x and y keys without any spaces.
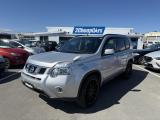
{"x":43,"y":38}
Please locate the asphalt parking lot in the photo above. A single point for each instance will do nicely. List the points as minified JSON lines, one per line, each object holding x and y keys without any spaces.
{"x":134,"y":99}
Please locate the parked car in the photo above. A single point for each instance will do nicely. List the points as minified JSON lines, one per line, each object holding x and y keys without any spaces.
{"x":12,"y":55}
{"x":26,"y":45}
{"x":59,"y":45}
{"x":79,"y":68}
{"x":2,"y":65}
{"x":47,"y":45}
{"x":152,"y":60}
{"x":139,"y":54}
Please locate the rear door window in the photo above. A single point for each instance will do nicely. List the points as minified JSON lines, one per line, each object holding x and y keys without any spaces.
{"x":127,"y":43}
{"x":120,"y":44}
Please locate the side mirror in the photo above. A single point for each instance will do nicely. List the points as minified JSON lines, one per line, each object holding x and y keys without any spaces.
{"x":109,"y":51}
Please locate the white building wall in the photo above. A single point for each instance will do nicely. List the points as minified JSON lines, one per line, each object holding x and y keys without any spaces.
{"x":69,"y":30}
{"x":124,"y":31}
{"x":37,"y":38}
{"x":54,"y":38}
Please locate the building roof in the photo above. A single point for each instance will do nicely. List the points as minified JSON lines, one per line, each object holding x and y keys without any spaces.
{"x":152,"y":34}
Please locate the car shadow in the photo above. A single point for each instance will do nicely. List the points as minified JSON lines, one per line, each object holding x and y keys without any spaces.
{"x":110,"y":94}
{"x":8,"y":77}
{"x":16,"y":67}
{"x":153,"y":70}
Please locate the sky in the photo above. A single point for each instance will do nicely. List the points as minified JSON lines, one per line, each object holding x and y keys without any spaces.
{"x":35,"y":15}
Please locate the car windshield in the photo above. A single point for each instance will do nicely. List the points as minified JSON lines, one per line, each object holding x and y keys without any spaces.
{"x":6,"y":45}
{"x":26,"y":43}
{"x":82,"y":45}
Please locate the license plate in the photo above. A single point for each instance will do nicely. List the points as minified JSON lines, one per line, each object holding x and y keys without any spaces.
{"x":28,"y":85}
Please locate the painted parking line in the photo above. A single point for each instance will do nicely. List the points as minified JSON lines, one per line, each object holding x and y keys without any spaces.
{"x":152,"y":73}
{"x":10,"y":75}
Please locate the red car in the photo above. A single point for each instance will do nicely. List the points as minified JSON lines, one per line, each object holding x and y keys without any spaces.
{"x":13,"y":55}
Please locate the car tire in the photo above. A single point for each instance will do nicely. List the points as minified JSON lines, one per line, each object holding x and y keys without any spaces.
{"x":89,"y":91}
{"x":141,"y":60}
{"x":8,"y":63}
{"x":128,"y":70}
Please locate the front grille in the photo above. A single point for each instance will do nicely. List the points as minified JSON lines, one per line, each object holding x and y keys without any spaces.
{"x":34,"y":69}
{"x":42,"y":70}
{"x":147,"y":59}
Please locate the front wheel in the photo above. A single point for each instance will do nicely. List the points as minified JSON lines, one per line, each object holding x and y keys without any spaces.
{"x":89,"y":91}
{"x":7,"y":63}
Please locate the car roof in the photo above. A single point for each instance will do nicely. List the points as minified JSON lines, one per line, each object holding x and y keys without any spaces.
{"x":117,"y":35}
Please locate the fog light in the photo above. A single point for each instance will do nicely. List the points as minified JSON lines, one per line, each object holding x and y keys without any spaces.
{"x":59,"y":89}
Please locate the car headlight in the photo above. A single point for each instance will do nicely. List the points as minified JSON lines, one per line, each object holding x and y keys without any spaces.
{"x":60,"y":69}
{"x":157,"y":58}
{"x":15,"y":54}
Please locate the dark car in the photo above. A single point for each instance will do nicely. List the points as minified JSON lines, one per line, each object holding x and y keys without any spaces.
{"x":2,"y":65}
{"x":47,"y":45}
{"x":139,"y":54}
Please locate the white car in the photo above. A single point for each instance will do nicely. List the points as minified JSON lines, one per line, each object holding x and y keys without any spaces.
{"x":152,"y":60}
{"x":79,"y":68}
{"x":26,"y":45}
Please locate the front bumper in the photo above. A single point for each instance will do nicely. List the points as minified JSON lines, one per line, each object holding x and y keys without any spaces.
{"x":153,"y":65}
{"x":59,"y":87}
{"x":18,"y":60}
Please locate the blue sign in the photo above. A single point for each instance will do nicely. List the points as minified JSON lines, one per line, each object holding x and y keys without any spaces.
{"x":88,"y":30}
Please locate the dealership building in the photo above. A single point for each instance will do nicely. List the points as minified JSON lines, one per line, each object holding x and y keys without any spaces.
{"x":152,"y":37}
{"x":60,"y":34}
{"x":7,"y":34}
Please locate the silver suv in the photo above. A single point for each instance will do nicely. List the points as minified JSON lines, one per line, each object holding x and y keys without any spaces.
{"x":79,"y":67}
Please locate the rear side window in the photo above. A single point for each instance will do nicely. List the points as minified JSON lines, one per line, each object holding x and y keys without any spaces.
{"x":127,"y":43}
{"x":120,"y":44}
{"x":14,"y":44}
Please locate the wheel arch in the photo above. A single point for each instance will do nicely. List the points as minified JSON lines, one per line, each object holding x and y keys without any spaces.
{"x":131,"y":60}
{"x":93,"y":72}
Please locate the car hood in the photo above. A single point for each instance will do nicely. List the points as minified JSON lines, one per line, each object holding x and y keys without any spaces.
{"x":153,"y":54}
{"x":48,"y":59}
{"x":142,"y":50}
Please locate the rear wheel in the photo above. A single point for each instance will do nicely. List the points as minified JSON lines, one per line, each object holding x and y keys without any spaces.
{"x":89,"y":91}
{"x":7,"y":63}
{"x":141,"y":60}
{"x":128,"y":70}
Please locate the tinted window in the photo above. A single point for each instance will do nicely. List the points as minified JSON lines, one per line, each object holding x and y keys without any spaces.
{"x":5,"y":45}
{"x":120,"y":44}
{"x":110,"y":44}
{"x":127,"y":43}
{"x":14,"y":44}
{"x":84,"y":45}
{"x":134,"y":42}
